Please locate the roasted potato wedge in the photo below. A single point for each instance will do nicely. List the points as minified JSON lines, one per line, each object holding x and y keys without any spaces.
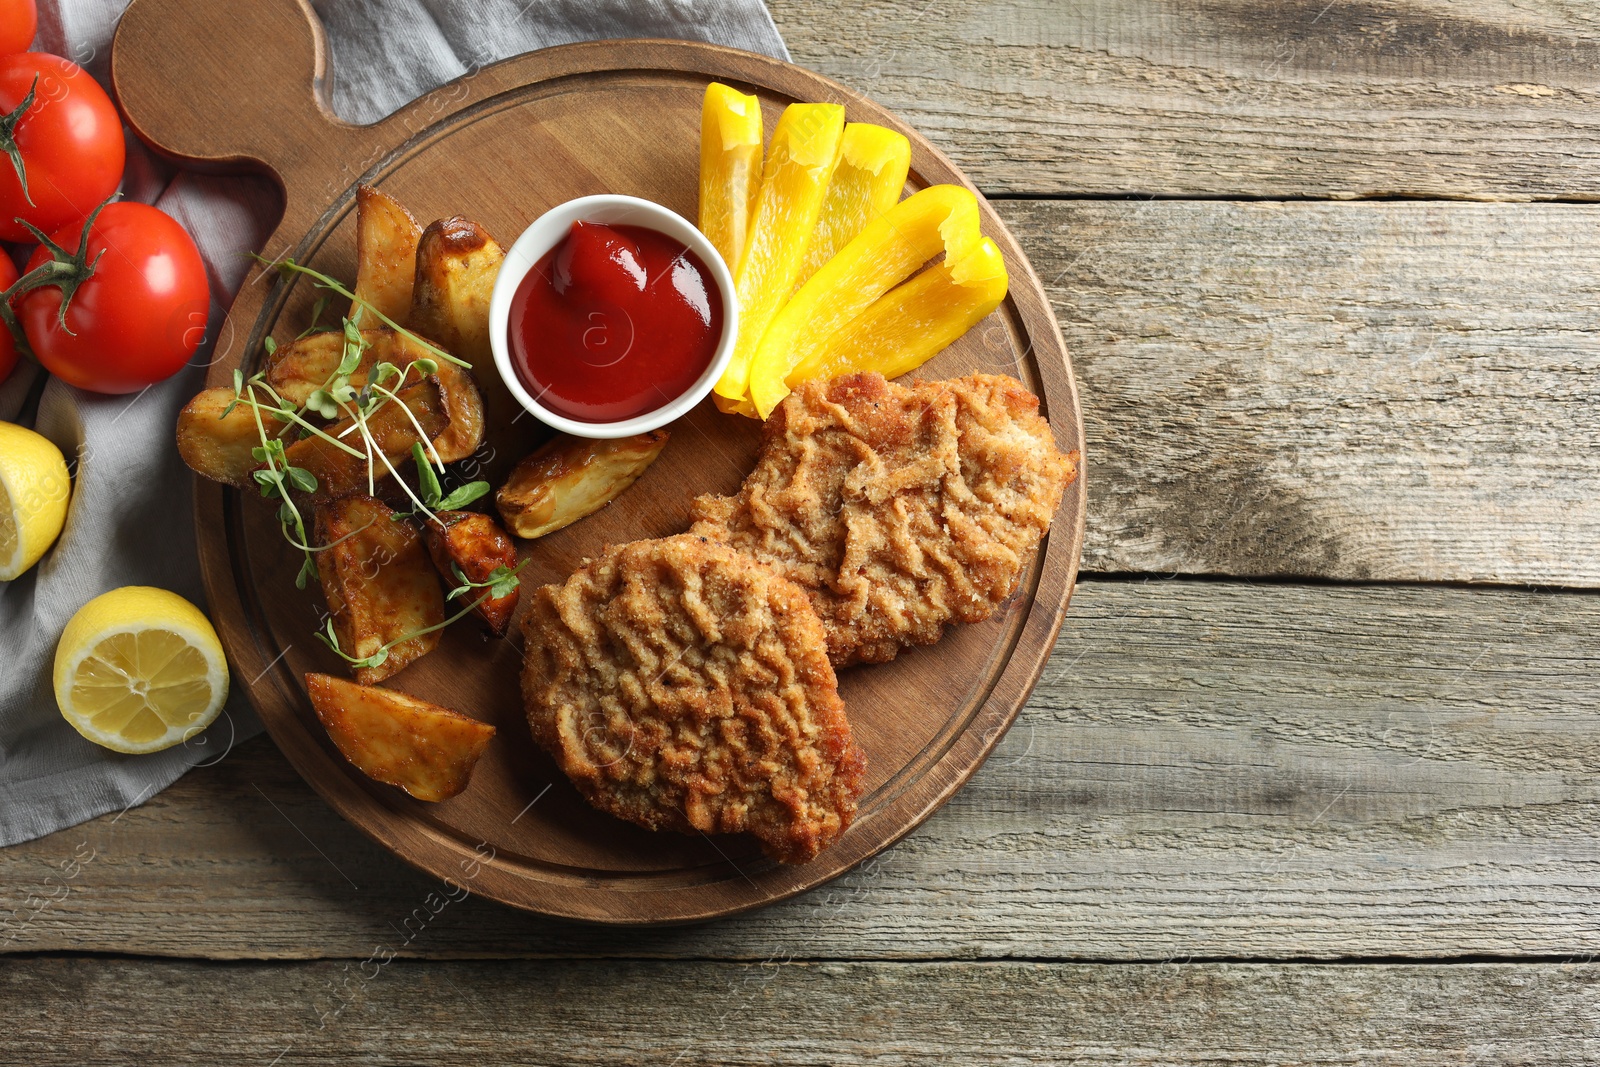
{"x":300,"y":368}
{"x":338,"y":473}
{"x":457,"y":262}
{"x":571,"y":477}
{"x":397,"y":739}
{"x":220,"y":448}
{"x":463,"y":402}
{"x":386,"y":255}
{"x":379,"y":584}
{"x":304,"y":366}
{"x":477,"y":545}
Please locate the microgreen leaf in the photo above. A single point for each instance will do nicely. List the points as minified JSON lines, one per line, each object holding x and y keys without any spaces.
{"x":316,"y":316}
{"x":460,"y":576}
{"x":287,"y":268}
{"x":427,"y":481}
{"x":301,"y":479}
{"x":323,"y":404}
{"x":462,"y":496}
{"x":270,"y":346}
{"x":238,"y":393}
{"x":501,"y":581}
{"x":354,"y":345}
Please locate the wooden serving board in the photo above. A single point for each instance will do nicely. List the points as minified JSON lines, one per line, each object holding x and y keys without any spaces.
{"x":243,"y":87}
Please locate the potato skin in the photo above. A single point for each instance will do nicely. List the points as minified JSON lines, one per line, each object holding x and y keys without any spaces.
{"x":457,"y":263}
{"x":305,"y":365}
{"x":379,"y":583}
{"x":476,"y":544}
{"x":338,"y":473}
{"x":571,"y":477}
{"x":386,"y":255}
{"x":221,"y":448}
{"x":390,"y":737}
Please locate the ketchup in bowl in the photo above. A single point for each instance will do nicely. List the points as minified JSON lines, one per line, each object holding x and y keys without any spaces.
{"x":613,"y":322}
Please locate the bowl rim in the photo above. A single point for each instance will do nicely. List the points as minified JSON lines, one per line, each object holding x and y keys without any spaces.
{"x":543,"y":234}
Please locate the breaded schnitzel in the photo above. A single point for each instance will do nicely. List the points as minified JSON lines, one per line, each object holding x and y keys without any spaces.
{"x":684,"y":686}
{"x":897,"y":509}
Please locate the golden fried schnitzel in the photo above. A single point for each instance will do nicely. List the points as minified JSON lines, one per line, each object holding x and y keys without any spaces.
{"x":684,"y":686}
{"x":897,"y":509}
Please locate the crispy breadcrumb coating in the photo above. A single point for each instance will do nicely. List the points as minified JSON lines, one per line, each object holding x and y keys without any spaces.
{"x":684,"y":686}
{"x":898,"y":509}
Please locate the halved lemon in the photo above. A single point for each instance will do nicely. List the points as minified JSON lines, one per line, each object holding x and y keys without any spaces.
{"x":139,"y":670}
{"x":34,"y":490}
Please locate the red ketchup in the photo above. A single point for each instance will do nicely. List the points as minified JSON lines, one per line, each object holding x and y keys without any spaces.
{"x":614,"y":322}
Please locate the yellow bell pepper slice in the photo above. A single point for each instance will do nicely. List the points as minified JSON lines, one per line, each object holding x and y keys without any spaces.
{"x":794,"y":181}
{"x":887,"y":251}
{"x":730,"y":169}
{"x":912,"y":323}
{"x":873,"y":163}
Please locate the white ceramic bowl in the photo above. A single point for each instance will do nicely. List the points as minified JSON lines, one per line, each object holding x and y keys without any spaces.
{"x":546,"y":232}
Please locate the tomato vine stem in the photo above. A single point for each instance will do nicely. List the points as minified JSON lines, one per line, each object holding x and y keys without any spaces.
{"x":64,"y":270}
{"x":8,"y":138}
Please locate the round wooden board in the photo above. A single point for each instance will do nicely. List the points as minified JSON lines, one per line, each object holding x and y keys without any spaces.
{"x":500,"y":146}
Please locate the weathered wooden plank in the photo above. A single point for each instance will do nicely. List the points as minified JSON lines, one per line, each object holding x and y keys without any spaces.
{"x":1397,"y":391}
{"x":1477,"y":98}
{"x":82,"y":1012}
{"x":1208,"y":769}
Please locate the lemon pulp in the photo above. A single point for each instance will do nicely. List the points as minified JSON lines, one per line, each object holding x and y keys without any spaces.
{"x":34,"y":491}
{"x":141,"y":685}
{"x":140,"y":670}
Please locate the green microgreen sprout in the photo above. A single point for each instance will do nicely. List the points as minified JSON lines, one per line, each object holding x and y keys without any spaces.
{"x":501,"y":582}
{"x":278,"y":475}
{"x":317,"y":311}
{"x":274,"y":480}
{"x":328,"y":637}
{"x":433,"y":494}
{"x":338,"y":398}
{"x":288,"y":268}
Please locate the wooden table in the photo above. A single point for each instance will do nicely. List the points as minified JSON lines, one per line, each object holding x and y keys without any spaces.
{"x":1312,"y":775}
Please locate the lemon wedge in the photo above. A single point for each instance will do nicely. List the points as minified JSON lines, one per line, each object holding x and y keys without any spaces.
{"x":139,"y":670}
{"x":34,"y":490}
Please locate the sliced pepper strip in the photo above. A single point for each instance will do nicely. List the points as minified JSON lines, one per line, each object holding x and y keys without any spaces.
{"x":730,"y":169}
{"x":873,"y":163}
{"x":913,"y":322}
{"x":794,"y":181}
{"x":888,"y":250}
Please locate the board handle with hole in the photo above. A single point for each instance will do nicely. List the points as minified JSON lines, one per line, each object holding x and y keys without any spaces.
{"x":234,"y":87}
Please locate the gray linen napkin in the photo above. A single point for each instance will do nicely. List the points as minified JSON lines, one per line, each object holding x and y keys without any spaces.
{"x":130,"y":519}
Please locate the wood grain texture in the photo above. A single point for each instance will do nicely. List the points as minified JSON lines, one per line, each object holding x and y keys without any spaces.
{"x":1396,"y":391}
{"x":592,"y":1012}
{"x":1478,"y":98}
{"x":1208,"y":769}
{"x":594,"y":117}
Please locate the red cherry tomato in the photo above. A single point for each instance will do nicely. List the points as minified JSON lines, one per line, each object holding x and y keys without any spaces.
{"x":69,"y":141}
{"x":8,"y":347}
{"x":137,"y":318}
{"x":18,"y":21}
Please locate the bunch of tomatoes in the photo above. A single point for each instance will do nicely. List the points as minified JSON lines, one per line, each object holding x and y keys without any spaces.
{"x":113,"y":297}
